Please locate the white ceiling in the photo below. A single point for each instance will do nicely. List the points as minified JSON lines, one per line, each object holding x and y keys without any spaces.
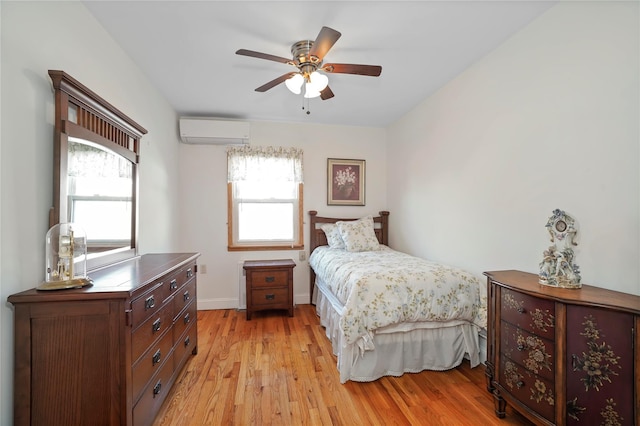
{"x":187,"y":49}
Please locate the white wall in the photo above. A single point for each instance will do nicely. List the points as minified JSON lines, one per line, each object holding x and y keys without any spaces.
{"x":36,"y":37}
{"x":548,"y":120}
{"x":204,"y":194}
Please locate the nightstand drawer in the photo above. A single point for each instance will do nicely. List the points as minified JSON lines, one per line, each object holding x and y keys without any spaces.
{"x":534,"y":391}
{"x":530,"y":313}
{"x":270,"y":297}
{"x":533,"y":352}
{"x":269,"y":278}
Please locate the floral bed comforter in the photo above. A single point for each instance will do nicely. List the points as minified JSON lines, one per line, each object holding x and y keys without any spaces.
{"x":386,"y":287}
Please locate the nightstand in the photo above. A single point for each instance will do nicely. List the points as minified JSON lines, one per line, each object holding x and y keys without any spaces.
{"x":269,"y":285}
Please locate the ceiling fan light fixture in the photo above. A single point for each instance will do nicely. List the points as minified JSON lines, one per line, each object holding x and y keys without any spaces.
{"x":318,"y":81}
{"x":309,"y":92}
{"x":294,"y":84}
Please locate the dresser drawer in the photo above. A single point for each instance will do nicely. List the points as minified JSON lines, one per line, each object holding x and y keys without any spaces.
{"x":274,"y":278}
{"x":533,"y":352}
{"x":183,"y":297}
{"x":153,"y":395}
{"x":184,"y":345}
{"x":533,"y":391}
{"x":270,"y":297}
{"x":150,"y":362}
{"x":529,"y":313}
{"x":151,"y":330}
{"x":180,"y":277}
{"x":149,"y":303}
{"x":184,"y":319}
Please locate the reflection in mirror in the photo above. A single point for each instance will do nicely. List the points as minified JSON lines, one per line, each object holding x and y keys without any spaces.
{"x":100,"y":191}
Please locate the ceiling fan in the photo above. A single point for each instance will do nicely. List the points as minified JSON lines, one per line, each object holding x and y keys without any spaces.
{"x":307,"y":58}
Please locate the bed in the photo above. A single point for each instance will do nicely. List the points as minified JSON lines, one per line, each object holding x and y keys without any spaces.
{"x":387,"y":313}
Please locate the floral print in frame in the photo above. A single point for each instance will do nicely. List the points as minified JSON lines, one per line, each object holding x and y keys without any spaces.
{"x":345,"y":182}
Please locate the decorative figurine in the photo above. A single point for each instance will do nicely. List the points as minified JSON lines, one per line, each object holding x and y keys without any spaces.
{"x":558,"y":268}
{"x":66,"y":261}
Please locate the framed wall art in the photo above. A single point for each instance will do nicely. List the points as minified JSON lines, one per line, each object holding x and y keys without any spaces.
{"x":345,"y":182}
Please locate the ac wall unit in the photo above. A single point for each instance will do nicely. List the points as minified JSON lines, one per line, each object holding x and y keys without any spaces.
{"x":208,"y":131}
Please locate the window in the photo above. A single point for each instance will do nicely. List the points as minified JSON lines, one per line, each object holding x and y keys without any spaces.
{"x":264,"y":198}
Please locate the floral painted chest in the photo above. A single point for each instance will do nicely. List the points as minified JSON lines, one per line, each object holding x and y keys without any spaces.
{"x":563,"y":356}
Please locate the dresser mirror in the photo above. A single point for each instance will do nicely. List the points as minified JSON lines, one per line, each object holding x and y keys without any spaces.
{"x":96,"y":155}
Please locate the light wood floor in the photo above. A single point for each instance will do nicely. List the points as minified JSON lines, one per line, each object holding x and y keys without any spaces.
{"x":277,"y":370}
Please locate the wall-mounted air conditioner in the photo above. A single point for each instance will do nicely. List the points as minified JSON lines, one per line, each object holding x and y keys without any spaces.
{"x":210,"y":131}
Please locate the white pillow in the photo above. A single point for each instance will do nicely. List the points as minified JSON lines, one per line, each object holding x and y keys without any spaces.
{"x":359,"y":235}
{"x":334,"y":239}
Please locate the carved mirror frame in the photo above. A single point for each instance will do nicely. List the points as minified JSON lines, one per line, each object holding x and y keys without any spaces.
{"x":82,"y":114}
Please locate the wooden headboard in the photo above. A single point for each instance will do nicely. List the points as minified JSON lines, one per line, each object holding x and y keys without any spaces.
{"x":318,"y":238}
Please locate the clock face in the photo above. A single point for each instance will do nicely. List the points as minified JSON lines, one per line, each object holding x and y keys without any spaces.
{"x":561,"y":226}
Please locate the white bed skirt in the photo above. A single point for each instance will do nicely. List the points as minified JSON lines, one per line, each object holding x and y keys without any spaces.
{"x":407,"y":348}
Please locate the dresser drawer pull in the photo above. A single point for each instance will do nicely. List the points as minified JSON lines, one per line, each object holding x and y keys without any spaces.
{"x":520,"y":384}
{"x":522,"y":310}
{"x":522,"y":347}
{"x":149,"y":302}
{"x":174,"y":284}
{"x":269,"y":279}
{"x":187,"y":341}
{"x":156,"y":388}
{"x":187,"y":318}
{"x":189,"y":273}
{"x":186,"y":296}
{"x":156,"y":357}
{"x":269,"y":296}
{"x":156,"y":325}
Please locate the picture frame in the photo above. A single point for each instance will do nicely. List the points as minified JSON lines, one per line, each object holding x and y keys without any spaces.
{"x":345,"y":182}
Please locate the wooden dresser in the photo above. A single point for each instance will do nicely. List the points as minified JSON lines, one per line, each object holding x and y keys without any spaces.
{"x":563,"y":356}
{"x":269,"y":285}
{"x":106,"y":354}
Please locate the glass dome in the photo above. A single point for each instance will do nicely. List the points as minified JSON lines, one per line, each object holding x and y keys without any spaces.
{"x":66,"y":258}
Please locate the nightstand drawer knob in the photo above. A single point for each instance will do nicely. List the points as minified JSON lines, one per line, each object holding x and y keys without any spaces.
{"x":269,"y":279}
{"x":520,"y":384}
{"x":269,"y":296}
{"x":522,"y":347}
{"x":522,"y":310}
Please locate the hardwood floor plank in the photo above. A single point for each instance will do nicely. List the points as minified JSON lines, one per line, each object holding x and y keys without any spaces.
{"x":280,"y":370}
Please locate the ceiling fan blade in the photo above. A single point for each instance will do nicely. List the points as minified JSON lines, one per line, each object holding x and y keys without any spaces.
{"x":327,"y":37}
{"x":275,"y":82}
{"x":261,"y":55}
{"x":326,"y":93}
{"x":370,"y":70}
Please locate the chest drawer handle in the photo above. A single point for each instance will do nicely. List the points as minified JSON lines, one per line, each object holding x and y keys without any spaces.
{"x":186,"y":296}
{"x":149,"y":302}
{"x":156,"y":357}
{"x":174,"y":284}
{"x":522,"y":310}
{"x":156,"y":325}
{"x":269,"y":296}
{"x":522,"y":347}
{"x":189,"y":273}
{"x":187,"y":318}
{"x":520,"y":384}
{"x":156,"y":388}
{"x":187,"y":341}
{"x":269,"y":279}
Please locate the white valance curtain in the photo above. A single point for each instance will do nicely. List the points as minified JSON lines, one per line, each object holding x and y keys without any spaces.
{"x":256,"y":163}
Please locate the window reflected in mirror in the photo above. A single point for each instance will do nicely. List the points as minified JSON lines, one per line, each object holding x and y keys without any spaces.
{"x":100,"y":190}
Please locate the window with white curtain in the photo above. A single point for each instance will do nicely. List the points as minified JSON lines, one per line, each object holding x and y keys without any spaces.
{"x":264,"y":198}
